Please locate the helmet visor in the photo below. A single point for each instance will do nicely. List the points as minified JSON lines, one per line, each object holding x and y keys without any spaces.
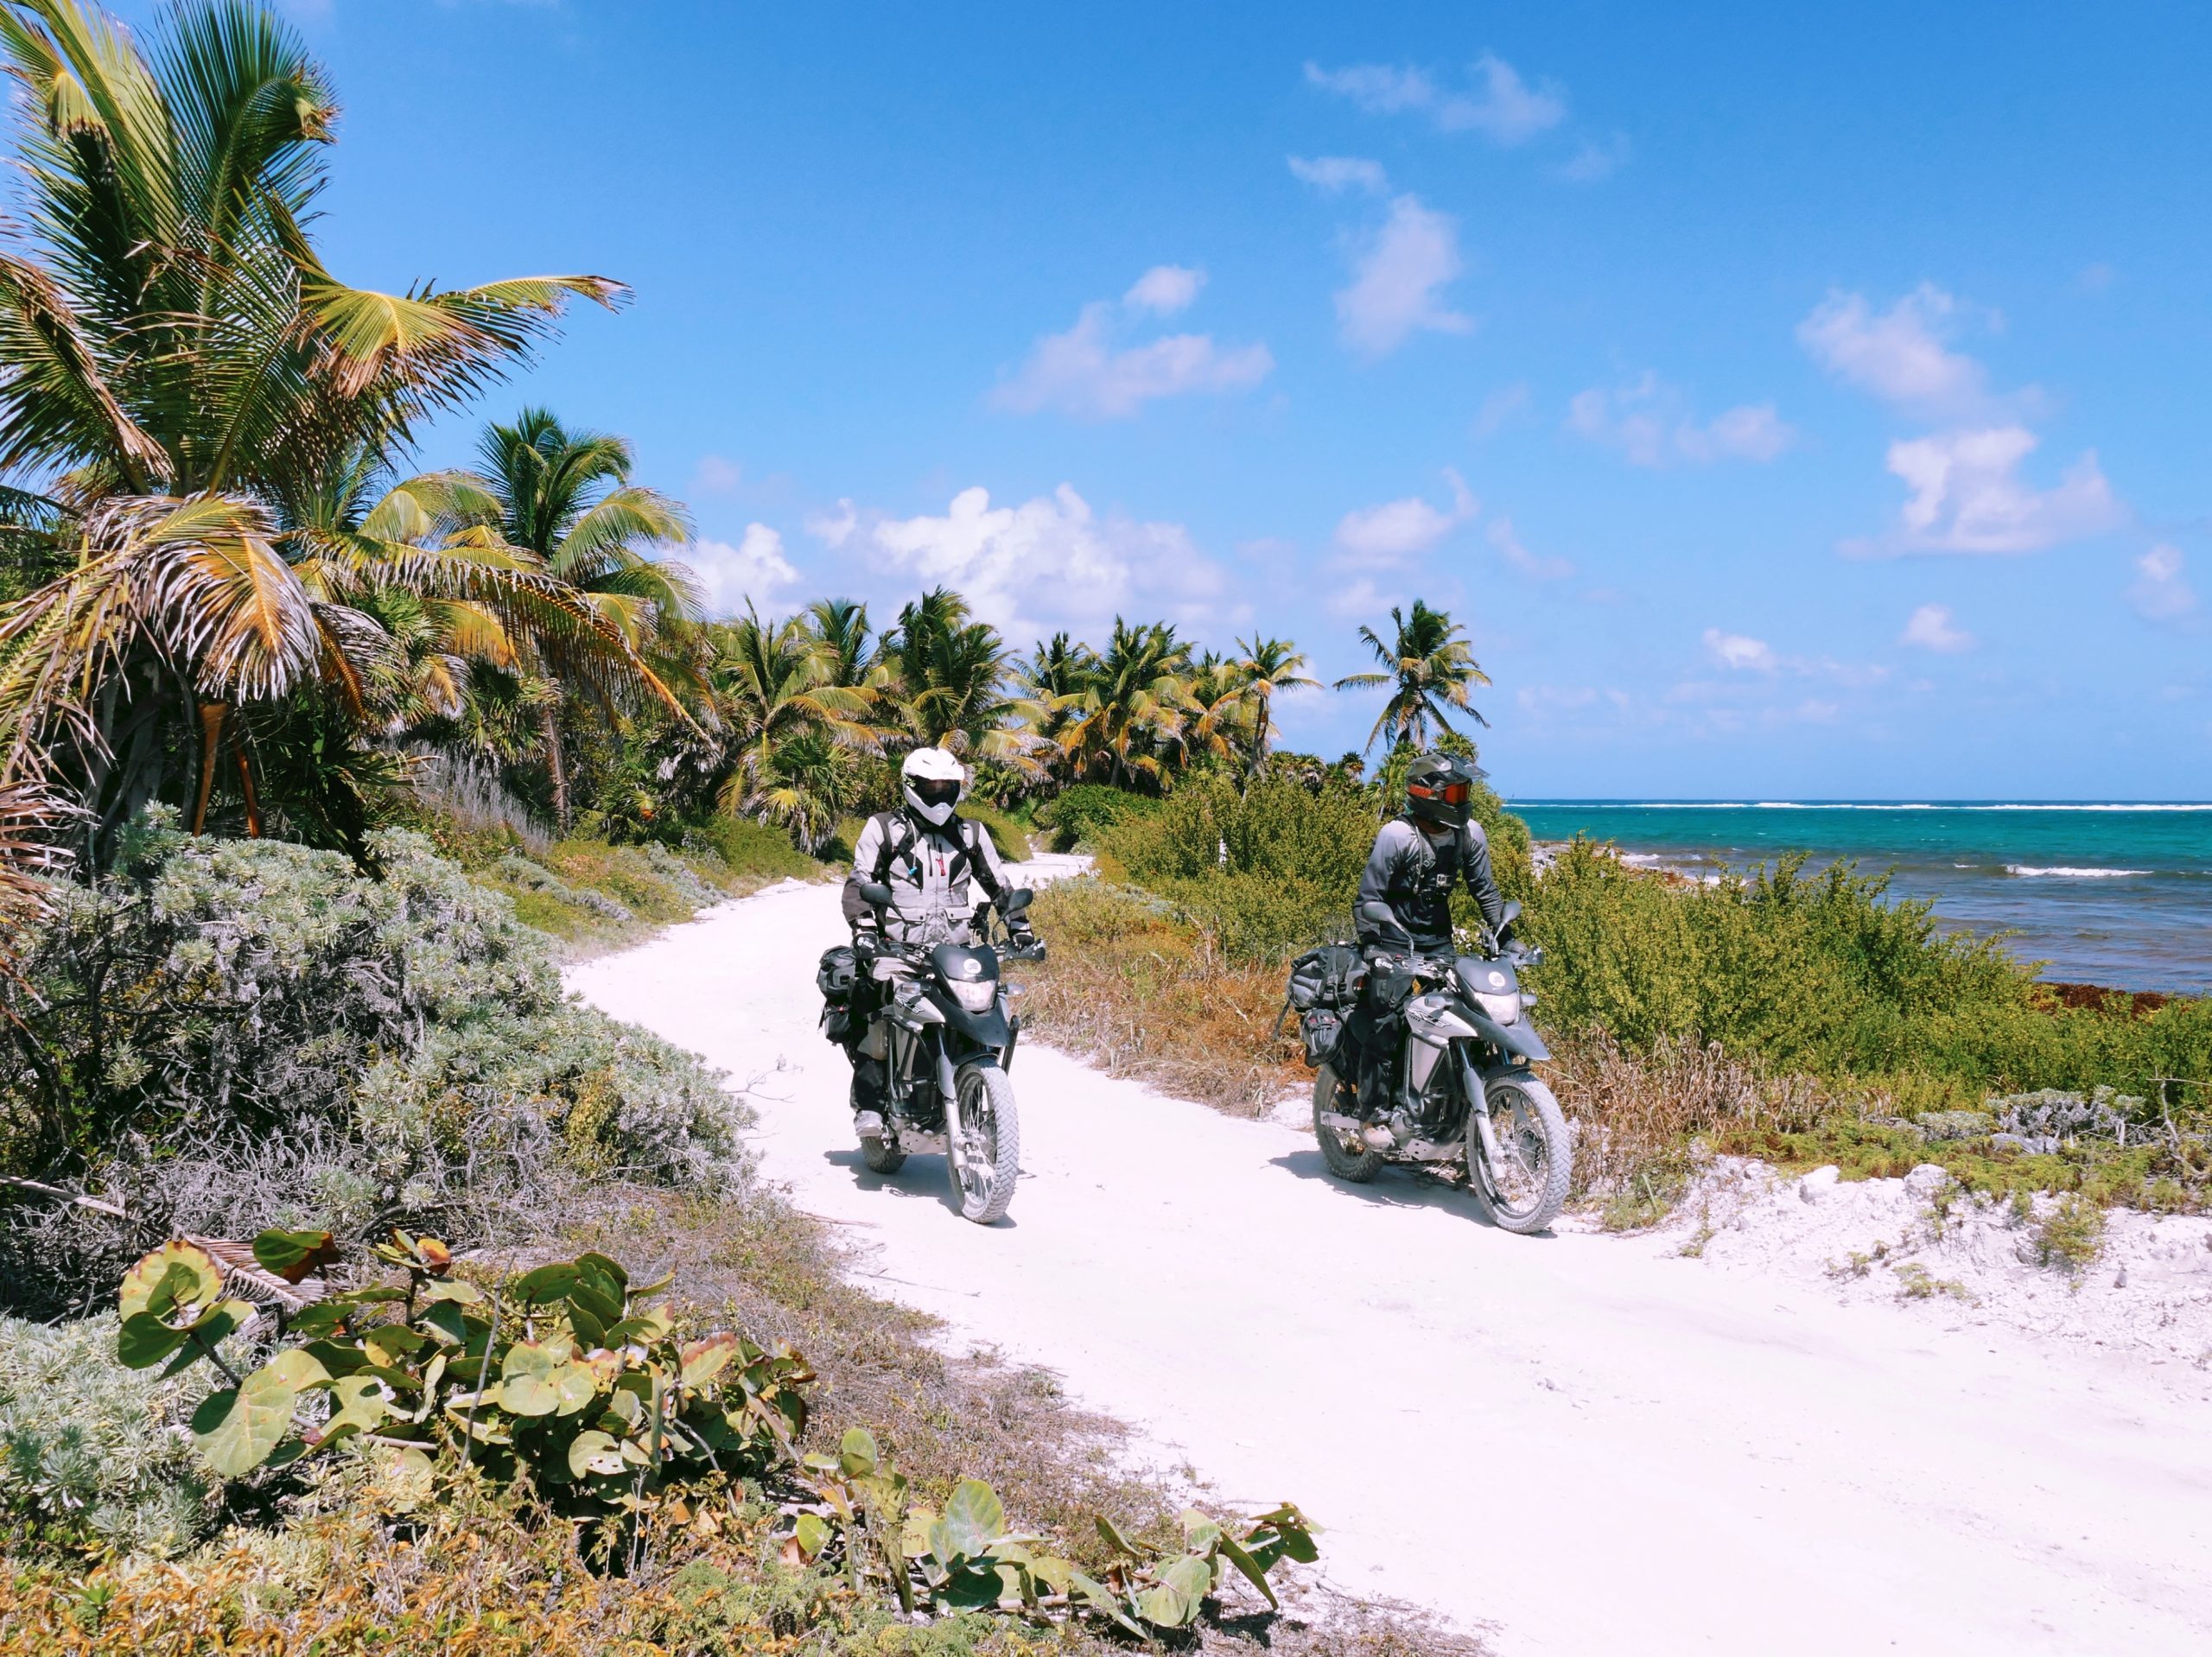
{"x":1453,"y":790}
{"x":935,"y":791}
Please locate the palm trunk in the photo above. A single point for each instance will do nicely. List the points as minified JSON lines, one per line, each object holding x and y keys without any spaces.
{"x":211,"y":736}
{"x":548,"y":725}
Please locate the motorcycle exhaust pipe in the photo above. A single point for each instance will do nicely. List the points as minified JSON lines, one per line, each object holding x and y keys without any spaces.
{"x":1374,"y":1135}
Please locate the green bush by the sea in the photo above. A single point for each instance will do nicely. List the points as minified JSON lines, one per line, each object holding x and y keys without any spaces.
{"x":1829,"y":974}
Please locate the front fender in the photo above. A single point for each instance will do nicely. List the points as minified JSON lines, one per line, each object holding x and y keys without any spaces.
{"x":984,"y":1029}
{"x":1520,"y":1038}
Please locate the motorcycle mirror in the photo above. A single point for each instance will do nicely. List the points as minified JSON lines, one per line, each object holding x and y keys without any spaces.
{"x":1512,"y":914}
{"x":1015,"y":901}
{"x":876,"y":894}
{"x":1381,"y":915}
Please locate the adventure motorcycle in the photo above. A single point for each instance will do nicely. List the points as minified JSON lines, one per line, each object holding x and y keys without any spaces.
{"x":943,"y":1024}
{"x":1477,"y":1110}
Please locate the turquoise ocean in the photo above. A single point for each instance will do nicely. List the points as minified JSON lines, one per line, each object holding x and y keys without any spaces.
{"x":2115,"y":894}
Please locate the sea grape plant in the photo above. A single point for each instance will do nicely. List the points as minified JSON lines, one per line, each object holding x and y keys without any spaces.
{"x":964,"y":1558}
{"x":564,"y":1372}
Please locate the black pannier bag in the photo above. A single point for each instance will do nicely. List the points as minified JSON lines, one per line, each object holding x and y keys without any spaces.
{"x":1324,"y":984}
{"x":834,"y":978}
{"x":1327,"y":977}
{"x":1321,"y":1030}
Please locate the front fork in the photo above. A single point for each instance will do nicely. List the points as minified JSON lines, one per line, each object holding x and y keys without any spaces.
{"x":1479,"y":1127}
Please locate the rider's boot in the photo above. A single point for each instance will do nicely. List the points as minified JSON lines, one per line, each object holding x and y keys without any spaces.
{"x":870,"y":1097}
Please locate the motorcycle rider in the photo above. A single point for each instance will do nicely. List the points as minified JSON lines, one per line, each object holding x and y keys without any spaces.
{"x":1418,"y":857}
{"x":926,"y":854}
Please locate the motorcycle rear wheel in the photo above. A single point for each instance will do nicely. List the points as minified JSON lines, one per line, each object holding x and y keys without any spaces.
{"x":1333,"y":1094}
{"x":1526,"y":1194}
{"x":983,"y":1140}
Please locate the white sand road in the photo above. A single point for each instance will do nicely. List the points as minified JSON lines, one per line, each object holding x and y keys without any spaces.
{"x":1584,"y":1446}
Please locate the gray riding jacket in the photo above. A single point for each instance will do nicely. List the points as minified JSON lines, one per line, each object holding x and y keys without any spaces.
{"x":1414,"y":876}
{"x":927,"y":867}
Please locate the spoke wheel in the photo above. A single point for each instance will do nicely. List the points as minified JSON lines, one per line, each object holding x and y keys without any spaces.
{"x":1526,"y":1188}
{"x":1348,"y":1159}
{"x":983,"y":1140}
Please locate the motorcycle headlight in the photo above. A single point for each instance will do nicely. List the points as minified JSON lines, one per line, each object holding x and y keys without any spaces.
{"x":976,"y":995}
{"x":1502,"y":1008}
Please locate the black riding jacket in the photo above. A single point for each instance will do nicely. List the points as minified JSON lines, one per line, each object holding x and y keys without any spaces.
{"x":1415,"y":875}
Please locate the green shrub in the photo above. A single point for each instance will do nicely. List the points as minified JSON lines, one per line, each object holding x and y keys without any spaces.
{"x":1828,"y":974}
{"x":756,"y":850}
{"x":236,"y":1034}
{"x":1005,"y":833}
{"x":91,"y":1454}
{"x":1078,"y":816}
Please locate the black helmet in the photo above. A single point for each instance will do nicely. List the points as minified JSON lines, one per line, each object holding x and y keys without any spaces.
{"x":1439,"y":789}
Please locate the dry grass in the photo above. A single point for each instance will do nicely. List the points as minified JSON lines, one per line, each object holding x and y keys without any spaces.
{"x":1646,"y":1118}
{"x":1144,"y":996}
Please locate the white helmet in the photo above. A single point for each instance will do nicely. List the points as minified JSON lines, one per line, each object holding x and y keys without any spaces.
{"x":935,"y":781}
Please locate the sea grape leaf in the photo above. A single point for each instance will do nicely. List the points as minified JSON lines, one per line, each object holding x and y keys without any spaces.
{"x":575,"y":1386}
{"x":703,"y":1359}
{"x":546,"y":1284}
{"x":294,"y":1255}
{"x":526,"y":1381}
{"x":144,"y":1340}
{"x":973,"y":1519}
{"x":594,"y":1451}
{"x":858,"y":1456}
{"x":181,"y":1274}
{"x":237,"y":1428}
{"x":1164,"y":1606}
{"x":812,"y":1534}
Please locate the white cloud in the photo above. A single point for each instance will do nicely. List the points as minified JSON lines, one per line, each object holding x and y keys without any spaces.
{"x":1967,"y":496}
{"x":1334,"y":174}
{"x":1397,"y":277}
{"x":1377,"y":87}
{"x":1084,"y":371}
{"x":1649,"y":423}
{"x":716,"y":476}
{"x":1164,"y":289}
{"x":1598,"y":159}
{"x":1930,"y":628}
{"x":1736,"y":651}
{"x":1048,"y":562}
{"x":754,"y":570}
{"x":1902,"y":355}
{"x":1363,"y":599}
{"x":1501,"y":406}
{"x":1538,"y":567}
{"x":1389,"y":535}
{"x":1497,"y":104}
{"x":2161,"y":590}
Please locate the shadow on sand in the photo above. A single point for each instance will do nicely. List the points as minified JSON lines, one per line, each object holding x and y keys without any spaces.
{"x":1395,"y":1187}
{"x":928,"y":1176}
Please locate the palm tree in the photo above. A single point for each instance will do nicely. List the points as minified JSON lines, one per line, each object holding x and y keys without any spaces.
{"x":1427,"y":663}
{"x":777,"y":711}
{"x":1221,"y":704}
{"x":1269,"y":665}
{"x":1053,"y":680}
{"x":1134,"y":706}
{"x":567,"y":498}
{"x":952,"y":673}
{"x":173,"y":356}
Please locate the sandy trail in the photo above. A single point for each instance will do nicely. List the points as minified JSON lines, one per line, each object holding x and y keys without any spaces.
{"x":1590,"y":1448}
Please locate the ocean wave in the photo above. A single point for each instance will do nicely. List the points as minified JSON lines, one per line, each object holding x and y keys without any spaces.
{"x":2065,"y":873}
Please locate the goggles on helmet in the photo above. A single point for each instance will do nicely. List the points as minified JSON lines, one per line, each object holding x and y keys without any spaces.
{"x":1457,"y":791}
{"x":932,"y":791}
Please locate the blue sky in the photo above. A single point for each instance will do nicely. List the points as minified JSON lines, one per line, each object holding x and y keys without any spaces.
{"x":1791,"y":403}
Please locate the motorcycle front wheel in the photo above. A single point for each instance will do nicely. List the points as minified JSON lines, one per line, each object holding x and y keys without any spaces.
{"x":1333,"y":1096}
{"x":1527,"y":1192}
{"x":982,"y":1138}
